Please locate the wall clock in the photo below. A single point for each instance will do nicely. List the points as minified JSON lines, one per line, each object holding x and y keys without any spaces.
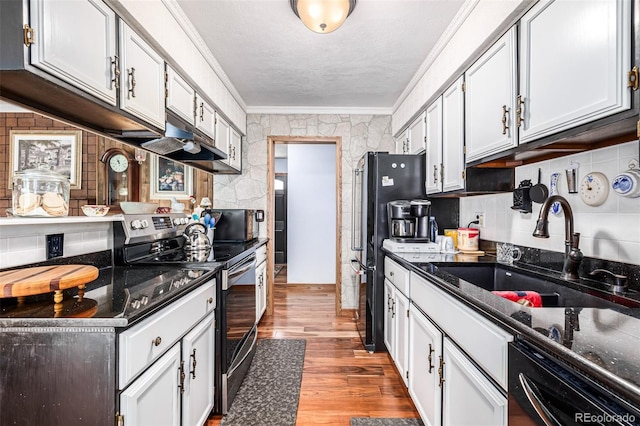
{"x":594,"y":189}
{"x":121,"y":177}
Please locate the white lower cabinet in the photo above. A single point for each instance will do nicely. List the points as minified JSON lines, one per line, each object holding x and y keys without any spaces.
{"x":425,"y":350}
{"x":469,"y":398}
{"x":154,"y":399}
{"x":457,"y":360}
{"x":396,"y":323}
{"x":198,"y":355}
{"x":174,"y":385}
{"x":261,"y":290}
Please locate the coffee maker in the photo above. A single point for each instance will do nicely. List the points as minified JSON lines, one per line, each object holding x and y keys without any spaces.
{"x":410,"y":221}
{"x":426,"y":228}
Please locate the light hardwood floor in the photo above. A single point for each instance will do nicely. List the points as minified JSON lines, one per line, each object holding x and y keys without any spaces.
{"x":340,"y":379}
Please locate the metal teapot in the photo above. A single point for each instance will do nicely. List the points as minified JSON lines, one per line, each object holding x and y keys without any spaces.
{"x":196,"y":238}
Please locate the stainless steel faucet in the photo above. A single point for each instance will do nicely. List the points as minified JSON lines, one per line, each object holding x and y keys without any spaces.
{"x":572,"y":254}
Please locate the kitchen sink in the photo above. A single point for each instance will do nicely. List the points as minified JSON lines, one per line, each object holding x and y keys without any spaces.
{"x":554,"y":292}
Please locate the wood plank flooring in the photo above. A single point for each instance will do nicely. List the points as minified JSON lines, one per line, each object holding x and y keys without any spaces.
{"x":340,"y":379}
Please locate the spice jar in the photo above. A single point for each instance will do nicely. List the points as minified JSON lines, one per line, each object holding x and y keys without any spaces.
{"x":38,"y":192}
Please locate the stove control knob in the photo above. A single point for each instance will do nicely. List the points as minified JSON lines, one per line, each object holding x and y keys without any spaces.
{"x":144,"y":300}
{"x":136,"y":224}
{"x":135,"y":304}
{"x":144,"y":223}
{"x":184,"y":221}
{"x":176,"y":221}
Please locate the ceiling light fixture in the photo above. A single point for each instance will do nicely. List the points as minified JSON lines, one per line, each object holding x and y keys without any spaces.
{"x":322,"y":16}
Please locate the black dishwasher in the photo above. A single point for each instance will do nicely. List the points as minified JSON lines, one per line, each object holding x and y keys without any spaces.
{"x":545,"y":391}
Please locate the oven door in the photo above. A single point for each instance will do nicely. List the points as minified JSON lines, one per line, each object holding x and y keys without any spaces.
{"x":238,"y":326}
{"x":543,"y":391}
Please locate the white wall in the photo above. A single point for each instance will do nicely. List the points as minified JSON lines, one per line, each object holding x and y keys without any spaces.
{"x":610,"y":231}
{"x":311,"y":214}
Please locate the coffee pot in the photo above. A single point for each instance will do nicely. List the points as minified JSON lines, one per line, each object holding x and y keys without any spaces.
{"x":426,"y":227}
{"x":402,"y":225}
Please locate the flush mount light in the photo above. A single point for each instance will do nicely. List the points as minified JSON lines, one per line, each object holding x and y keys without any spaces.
{"x":322,"y":16}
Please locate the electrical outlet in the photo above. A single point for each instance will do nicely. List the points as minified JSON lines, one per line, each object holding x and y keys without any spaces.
{"x":480,"y":219}
{"x":55,"y":244}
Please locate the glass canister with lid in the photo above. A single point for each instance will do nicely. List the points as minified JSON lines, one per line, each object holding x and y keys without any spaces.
{"x":40,"y":192}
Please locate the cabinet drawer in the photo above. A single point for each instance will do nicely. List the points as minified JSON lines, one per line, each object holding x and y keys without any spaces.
{"x":261,"y":254}
{"x":398,"y":276}
{"x":485,"y":342}
{"x":140,"y":345}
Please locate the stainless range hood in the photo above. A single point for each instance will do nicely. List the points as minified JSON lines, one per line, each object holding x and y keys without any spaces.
{"x":181,"y":142}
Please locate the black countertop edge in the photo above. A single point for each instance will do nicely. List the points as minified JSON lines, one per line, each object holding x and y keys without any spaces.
{"x":625,"y":389}
{"x":249,"y":247}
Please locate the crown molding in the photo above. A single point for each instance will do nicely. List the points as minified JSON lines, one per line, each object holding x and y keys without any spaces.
{"x":318,"y":110}
{"x":445,"y":38}
{"x":184,"y":22}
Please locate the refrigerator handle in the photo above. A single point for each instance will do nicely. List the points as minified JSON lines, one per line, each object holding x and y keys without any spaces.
{"x":355,"y":230}
{"x":357,"y":267}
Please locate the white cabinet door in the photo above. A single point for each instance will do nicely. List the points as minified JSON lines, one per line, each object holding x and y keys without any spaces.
{"x":453,"y":137}
{"x":222,"y":134}
{"x":198,"y":357}
{"x":490,"y":98}
{"x":235,"y":150}
{"x":180,"y":96}
{"x":416,"y":135}
{"x":402,"y":143}
{"x":261,"y":290}
{"x":154,"y":398}
{"x":434,"y":147}
{"x":425,"y":350}
{"x":401,"y":334}
{"x":574,"y":62}
{"x":469,"y":398}
{"x":205,"y":117}
{"x":141,"y":79}
{"x":76,"y":42}
{"x":389,"y":329}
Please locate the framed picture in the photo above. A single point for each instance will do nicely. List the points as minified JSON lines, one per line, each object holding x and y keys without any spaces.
{"x":170,"y":179}
{"x":56,"y":150}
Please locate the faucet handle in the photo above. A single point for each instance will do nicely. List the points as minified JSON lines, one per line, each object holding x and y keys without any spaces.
{"x":620,"y":280}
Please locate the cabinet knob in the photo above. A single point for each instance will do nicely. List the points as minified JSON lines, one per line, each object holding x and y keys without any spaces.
{"x":210,"y":300}
{"x":157,"y":341}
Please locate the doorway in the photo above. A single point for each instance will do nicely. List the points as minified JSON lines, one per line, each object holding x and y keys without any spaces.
{"x":275,"y":233}
{"x":280,"y":229}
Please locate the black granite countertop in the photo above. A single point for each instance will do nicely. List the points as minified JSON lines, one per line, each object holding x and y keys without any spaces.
{"x":606,"y":347}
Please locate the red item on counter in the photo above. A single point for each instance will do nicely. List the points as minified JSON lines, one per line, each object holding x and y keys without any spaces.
{"x":527,"y":298}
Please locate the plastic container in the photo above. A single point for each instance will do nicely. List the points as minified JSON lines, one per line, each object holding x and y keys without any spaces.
{"x":40,"y":193}
{"x":468,"y":239}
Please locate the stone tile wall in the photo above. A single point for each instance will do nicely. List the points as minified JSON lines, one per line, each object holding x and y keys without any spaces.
{"x":360,"y":133}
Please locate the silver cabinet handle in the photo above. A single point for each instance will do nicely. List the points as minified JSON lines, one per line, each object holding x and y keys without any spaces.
{"x":504,"y":120}
{"x":132,"y":82}
{"x":115,"y":81}
{"x":193,"y":363}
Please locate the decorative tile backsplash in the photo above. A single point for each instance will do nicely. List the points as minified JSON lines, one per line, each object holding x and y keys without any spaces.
{"x":610,"y":231}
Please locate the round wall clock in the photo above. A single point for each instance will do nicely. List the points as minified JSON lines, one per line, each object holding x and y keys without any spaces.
{"x":594,"y":189}
{"x":119,"y":163}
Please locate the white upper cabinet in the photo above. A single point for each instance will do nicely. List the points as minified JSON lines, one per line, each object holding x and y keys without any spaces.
{"x":445,"y":141}
{"x":402,"y":143}
{"x":141,"y":79}
{"x":453,"y":137}
{"x":222,"y":134}
{"x":416,"y":135}
{"x":181,"y":97}
{"x":434,"y":147}
{"x":234,"y":158}
{"x":76,"y":42}
{"x":490,"y":98}
{"x":574,"y":64}
{"x":205,"y":117}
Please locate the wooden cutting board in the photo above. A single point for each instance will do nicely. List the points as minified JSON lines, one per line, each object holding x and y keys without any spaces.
{"x":473,"y":253}
{"x":44,"y":279}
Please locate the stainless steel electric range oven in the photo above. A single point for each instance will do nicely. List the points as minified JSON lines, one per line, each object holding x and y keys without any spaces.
{"x":158,"y":240}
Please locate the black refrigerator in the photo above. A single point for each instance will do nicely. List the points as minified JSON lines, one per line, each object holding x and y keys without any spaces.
{"x":378,"y":177}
